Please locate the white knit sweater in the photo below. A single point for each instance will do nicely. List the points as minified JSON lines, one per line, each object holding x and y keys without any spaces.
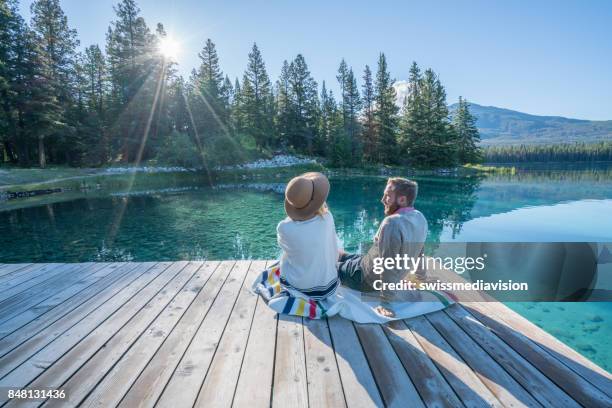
{"x":309,"y":252}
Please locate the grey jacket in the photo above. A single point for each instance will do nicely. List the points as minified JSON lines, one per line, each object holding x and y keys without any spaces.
{"x":398,"y":234}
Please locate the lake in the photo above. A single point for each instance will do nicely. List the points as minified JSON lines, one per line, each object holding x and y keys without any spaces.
{"x":179,"y":216}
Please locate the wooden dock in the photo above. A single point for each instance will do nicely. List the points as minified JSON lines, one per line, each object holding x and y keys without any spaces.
{"x":183,"y":334}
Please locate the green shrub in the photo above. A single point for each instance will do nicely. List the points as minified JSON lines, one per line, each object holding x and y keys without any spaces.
{"x":180,"y":150}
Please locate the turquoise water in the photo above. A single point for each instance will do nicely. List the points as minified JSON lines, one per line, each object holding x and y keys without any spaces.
{"x":171,"y":218}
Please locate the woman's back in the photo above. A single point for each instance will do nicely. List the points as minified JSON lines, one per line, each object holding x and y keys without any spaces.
{"x":309,"y":253}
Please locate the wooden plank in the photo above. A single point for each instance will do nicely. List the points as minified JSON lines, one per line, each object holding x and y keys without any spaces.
{"x":140,"y":337}
{"x":182,"y":388}
{"x":502,"y":385}
{"x":45,"y":290}
{"x":254,"y":387}
{"x":14,"y":287}
{"x":497,"y":310}
{"x":568,"y":356}
{"x":70,"y":296}
{"x":146,"y":389}
{"x":526,"y":374}
{"x":473,"y":393}
{"x":571,"y":382}
{"x":42,"y":330}
{"x":324,"y":385}
{"x":31,"y":276}
{"x":222,"y":377}
{"x":30,"y":271}
{"x":112,"y":314}
{"x":49,"y":370}
{"x":9,"y":267}
{"x":357,"y":381}
{"x":577,"y":362}
{"x":290,"y":381}
{"x":242,"y":373}
{"x":34,"y":305}
{"x":6,"y":269}
{"x":4,"y":266}
{"x":117,"y":381}
{"x":18,"y":303}
{"x":393,"y":382}
{"x":431,"y":385}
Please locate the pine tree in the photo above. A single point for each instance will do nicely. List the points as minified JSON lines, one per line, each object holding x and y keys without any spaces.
{"x":158,"y":124}
{"x":464,"y":124}
{"x":136,"y":73}
{"x":57,"y":44}
{"x":237,"y":91}
{"x":95,"y":72}
{"x":227,"y":93}
{"x":8,"y":26}
{"x":303,"y":105}
{"x":209,"y":73}
{"x":236,"y":122}
{"x":270,"y":116}
{"x":441,"y":137}
{"x":92,"y":137}
{"x":208,"y":106}
{"x":11,"y":27}
{"x":426,"y":136}
{"x":325,"y":135}
{"x":177,"y":105}
{"x":385,"y":114}
{"x":370,"y":146}
{"x":30,"y":110}
{"x":334,"y":143}
{"x":256,"y":98}
{"x":284,"y":106}
{"x":36,"y":106}
{"x":413,"y":134}
{"x":342,"y":77}
{"x":350,"y":105}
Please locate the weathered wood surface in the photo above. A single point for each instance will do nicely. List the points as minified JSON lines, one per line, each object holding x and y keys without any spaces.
{"x":186,"y":334}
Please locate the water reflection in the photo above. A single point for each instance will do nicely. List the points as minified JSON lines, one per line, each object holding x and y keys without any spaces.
{"x":173,"y":222}
{"x":445,"y":202}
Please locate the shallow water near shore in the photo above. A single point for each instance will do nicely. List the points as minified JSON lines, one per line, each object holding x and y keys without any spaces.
{"x":170,"y":217}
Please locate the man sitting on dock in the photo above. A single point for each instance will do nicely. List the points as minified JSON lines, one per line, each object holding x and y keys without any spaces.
{"x":401,"y":233}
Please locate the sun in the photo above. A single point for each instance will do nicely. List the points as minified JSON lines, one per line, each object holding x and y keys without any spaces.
{"x":169,"y":48}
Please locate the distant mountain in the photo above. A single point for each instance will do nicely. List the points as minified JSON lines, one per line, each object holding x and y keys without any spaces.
{"x":499,"y":126}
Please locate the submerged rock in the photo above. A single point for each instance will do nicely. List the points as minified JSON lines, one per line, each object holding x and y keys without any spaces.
{"x":146,"y":169}
{"x":280,"y":160}
{"x":586,"y":348}
{"x":591,"y":328}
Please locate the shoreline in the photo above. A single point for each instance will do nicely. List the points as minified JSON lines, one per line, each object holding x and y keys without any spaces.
{"x":18,"y":183}
{"x":14,"y":177}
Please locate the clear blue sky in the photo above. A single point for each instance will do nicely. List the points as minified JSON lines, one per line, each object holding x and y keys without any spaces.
{"x":539,"y":57}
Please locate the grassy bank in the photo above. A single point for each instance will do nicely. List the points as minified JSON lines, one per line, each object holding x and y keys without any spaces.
{"x":12,"y":176}
{"x":19,"y":179}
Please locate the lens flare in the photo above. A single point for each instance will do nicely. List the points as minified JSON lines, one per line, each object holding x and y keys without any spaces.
{"x":169,"y":48}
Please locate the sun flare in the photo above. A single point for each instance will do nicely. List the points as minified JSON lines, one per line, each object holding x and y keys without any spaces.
{"x":169,"y":47}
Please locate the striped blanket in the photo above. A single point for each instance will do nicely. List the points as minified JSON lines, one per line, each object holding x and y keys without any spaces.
{"x":348,"y":303}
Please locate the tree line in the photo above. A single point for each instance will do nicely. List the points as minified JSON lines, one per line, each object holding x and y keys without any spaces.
{"x":127,"y":103}
{"x":567,"y":152}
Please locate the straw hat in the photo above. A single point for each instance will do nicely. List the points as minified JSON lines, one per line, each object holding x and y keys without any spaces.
{"x":305,"y":194}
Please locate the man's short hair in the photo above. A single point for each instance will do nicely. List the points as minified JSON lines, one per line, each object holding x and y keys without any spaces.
{"x":405,"y":187}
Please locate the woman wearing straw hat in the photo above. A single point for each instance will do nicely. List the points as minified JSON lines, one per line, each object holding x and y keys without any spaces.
{"x":308,"y":239}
